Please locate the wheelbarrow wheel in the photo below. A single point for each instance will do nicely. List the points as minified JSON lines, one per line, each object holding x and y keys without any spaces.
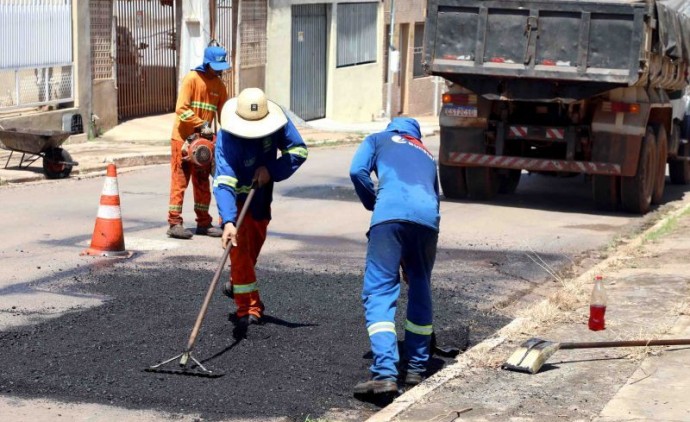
{"x":54,"y":163}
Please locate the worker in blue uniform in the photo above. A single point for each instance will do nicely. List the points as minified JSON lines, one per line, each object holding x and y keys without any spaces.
{"x":403,"y":232}
{"x":253,"y":132}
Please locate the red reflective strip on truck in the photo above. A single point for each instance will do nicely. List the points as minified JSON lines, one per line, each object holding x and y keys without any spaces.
{"x":555,"y":133}
{"x":518,"y":131}
{"x":534,"y":164}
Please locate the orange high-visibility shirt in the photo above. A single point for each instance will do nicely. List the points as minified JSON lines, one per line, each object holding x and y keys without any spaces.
{"x":201,"y":96}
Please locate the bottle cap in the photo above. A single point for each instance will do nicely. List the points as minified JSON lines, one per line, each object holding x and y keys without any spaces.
{"x":598,"y":277}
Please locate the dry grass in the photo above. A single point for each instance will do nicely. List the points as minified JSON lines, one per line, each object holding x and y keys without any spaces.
{"x":567,"y":303}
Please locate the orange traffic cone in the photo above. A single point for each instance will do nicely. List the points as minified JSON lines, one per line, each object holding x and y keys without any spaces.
{"x":108,"y":238}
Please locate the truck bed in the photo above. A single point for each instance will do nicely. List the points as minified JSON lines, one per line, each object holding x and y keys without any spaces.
{"x":579,"y":41}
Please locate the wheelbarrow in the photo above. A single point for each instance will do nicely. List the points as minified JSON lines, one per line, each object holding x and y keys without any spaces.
{"x":35,"y":144}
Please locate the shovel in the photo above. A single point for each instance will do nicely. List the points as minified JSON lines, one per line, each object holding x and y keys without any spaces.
{"x":533,"y":353}
{"x":184,"y":366}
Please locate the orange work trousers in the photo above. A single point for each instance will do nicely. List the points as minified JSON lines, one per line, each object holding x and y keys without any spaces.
{"x":180,"y":173}
{"x":243,"y":257}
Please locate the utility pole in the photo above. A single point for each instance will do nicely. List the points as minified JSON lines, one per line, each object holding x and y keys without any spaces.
{"x":392,"y":63}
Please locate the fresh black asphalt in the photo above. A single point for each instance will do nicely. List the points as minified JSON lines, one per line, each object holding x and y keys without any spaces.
{"x":303,"y":361}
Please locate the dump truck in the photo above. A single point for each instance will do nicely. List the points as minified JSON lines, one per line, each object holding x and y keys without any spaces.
{"x":561,"y":88}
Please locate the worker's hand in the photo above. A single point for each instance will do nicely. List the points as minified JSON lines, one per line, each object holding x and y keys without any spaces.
{"x":229,"y":235}
{"x":262,"y":176}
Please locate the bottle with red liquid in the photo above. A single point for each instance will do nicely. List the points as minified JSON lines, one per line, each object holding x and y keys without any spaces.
{"x":597,"y":305}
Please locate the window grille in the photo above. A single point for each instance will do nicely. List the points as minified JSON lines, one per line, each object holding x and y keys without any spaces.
{"x":356,"y":33}
{"x":253,"y":33}
{"x":36,"y":63}
{"x":418,"y":51}
{"x":101,"y":38}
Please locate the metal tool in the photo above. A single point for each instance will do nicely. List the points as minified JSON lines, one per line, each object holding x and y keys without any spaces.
{"x":185,"y":366}
{"x":533,"y":353}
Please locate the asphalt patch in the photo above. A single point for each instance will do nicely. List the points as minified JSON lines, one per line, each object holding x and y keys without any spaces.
{"x":302,"y":361}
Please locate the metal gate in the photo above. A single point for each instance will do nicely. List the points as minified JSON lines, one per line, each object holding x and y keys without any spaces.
{"x":146,"y":57}
{"x":222,"y":31}
{"x":308,"y":65}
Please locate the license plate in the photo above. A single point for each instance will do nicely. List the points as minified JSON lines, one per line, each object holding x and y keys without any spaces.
{"x":460,"y":111}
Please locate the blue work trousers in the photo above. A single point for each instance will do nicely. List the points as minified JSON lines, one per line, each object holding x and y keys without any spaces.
{"x":390,"y":245}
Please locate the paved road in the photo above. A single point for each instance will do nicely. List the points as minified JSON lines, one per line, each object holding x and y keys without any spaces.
{"x":306,"y":359}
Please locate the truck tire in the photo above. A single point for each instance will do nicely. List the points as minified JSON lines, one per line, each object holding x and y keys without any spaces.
{"x":661,"y":157}
{"x":452,"y":181}
{"x":482,"y":182}
{"x":679,"y":170}
{"x":508,"y":181}
{"x":636,"y":191}
{"x":606,"y":192}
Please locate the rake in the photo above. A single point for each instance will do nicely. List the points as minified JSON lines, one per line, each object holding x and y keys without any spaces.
{"x":188,"y":364}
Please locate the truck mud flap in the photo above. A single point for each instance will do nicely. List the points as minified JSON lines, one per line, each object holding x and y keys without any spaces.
{"x":617,"y":148}
{"x":461,"y":139}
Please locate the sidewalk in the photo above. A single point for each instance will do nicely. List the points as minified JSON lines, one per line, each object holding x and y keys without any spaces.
{"x":647,"y":281}
{"x":146,"y":141}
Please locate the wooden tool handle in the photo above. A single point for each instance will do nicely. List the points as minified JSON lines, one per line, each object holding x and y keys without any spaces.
{"x":625,"y":343}
{"x":219,"y":271}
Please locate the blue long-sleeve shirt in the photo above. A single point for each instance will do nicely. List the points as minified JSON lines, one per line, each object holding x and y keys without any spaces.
{"x":406,"y":171}
{"x":237,"y":160}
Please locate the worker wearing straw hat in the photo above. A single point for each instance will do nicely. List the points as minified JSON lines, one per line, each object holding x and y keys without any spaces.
{"x":253,"y":130}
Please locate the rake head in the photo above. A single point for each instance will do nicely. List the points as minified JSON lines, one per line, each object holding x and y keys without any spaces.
{"x":184,"y":367}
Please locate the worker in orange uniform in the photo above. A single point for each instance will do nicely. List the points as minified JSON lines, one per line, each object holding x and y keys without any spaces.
{"x":253,"y":130}
{"x":200,"y":100}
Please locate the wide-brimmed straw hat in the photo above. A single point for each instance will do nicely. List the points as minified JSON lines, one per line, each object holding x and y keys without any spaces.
{"x":251,"y":115}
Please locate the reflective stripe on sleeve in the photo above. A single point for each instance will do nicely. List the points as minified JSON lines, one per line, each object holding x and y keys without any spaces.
{"x":381,"y":327}
{"x":244,"y":288}
{"x":298,"y":151}
{"x":201,"y":207}
{"x":175,"y":208}
{"x":225,"y":180}
{"x":422,"y":330}
{"x":204,"y":106}
{"x":186,"y":115}
{"x":243,"y":189}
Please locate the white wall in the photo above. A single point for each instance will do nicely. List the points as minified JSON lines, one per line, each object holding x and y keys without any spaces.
{"x":353,"y":94}
{"x":278,"y":51}
{"x":194,"y":35}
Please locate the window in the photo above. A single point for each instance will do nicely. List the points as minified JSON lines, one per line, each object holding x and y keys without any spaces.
{"x":356,"y":33}
{"x":418,"y":51}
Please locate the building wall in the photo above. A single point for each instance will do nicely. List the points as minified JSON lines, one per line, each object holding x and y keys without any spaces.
{"x":352,"y":93}
{"x":194,"y":36}
{"x":278,"y":50}
{"x":418,"y":93}
{"x":105,"y":104}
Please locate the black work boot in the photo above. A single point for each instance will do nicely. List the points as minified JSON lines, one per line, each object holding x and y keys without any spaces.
{"x":376,"y":387}
{"x":178,"y":231}
{"x":413,"y":378}
{"x":209,"y":231}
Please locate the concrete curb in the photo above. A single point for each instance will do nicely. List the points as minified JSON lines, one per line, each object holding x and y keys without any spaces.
{"x":415,"y":395}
